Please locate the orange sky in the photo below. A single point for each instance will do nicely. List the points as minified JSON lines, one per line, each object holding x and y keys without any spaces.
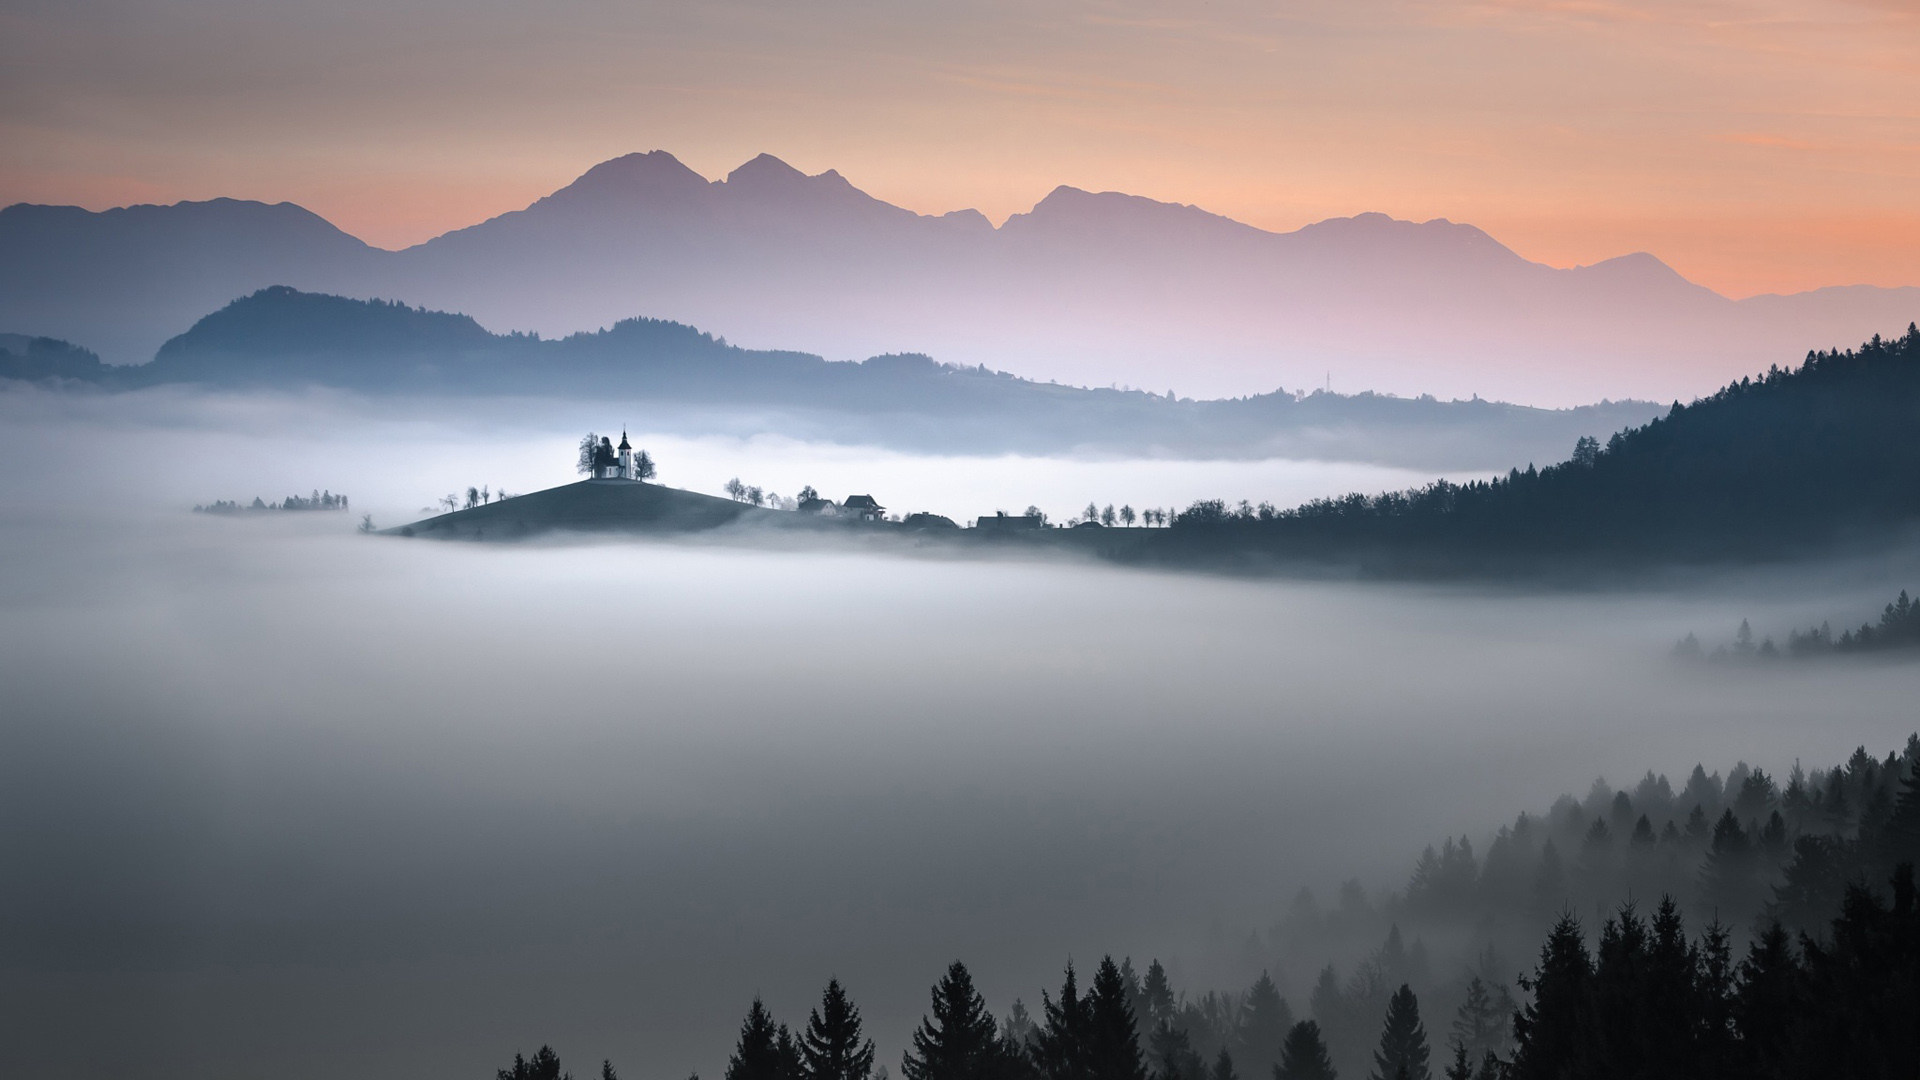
{"x":1755,"y":146}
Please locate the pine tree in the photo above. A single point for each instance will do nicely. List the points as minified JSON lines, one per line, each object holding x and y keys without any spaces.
{"x":793,"y":1066}
{"x":1170,"y":1054}
{"x":1479,"y":1026}
{"x":1223,"y":1067}
{"x":544,"y":1065}
{"x":959,"y":1041}
{"x":1461,"y":1068}
{"x":1304,"y":1055}
{"x":1264,"y":1022}
{"x":832,"y":1048}
{"x":1550,"y":1032}
{"x":1156,"y":993}
{"x":756,"y":1056}
{"x":1060,"y":1043}
{"x":1112,"y":1047}
{"x":1403,"y":1042}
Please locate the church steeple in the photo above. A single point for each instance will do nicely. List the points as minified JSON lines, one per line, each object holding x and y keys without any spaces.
{"x":623,"y":440}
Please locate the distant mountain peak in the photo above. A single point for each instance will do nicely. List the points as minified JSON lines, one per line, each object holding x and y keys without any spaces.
{"x":630,"y":176}
{"x":766,"y":172}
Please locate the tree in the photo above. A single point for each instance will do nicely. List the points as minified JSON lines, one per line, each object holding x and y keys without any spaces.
{"x":1403,"y":1043}
{"x":1171,"y":1053}
{"x":366,"y":523}
{"x":1461,"y":1068}
{"x":757,"y":1056}
{"x":544,"y":1065}
{"x":1264,"y":1022}
{"x":1113,"y":1045}
{"x":1107,"y":516}
{"x":589,"y":445}
{"x":807,"y":493}
{"x":1479,"y":1026}
{"x":755,"y":495}
{"x":1059,"y":1044}
{"x":451,"y":502}
{"x":959,"y":1041}
{"x":643,"y":467}
{"x":831,"y":1048}
{"x":1223,"y":1067}
{"x":1550,"y":1031}
{"x":735,"y":490}
{"x":607,"y":1073}
{"x":1091,"y":513}
{"x":473,"y":497}
{"x":1127,"y":516}
{"x":1304,"y":1055}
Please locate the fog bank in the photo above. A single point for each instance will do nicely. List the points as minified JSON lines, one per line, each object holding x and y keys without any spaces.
{"x":280,"y":798}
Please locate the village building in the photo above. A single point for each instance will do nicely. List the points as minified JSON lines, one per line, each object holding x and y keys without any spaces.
{"x":864,"y":508}
{"x":1002,"y":521}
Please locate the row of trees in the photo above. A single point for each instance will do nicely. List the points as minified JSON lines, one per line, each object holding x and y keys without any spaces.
{"x":1645,"y":1000}
{"x":1898,"y":628}
{"x":319,"y":500}
{"x":1826,"y":981}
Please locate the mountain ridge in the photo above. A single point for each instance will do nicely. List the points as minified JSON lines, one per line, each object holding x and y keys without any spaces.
{"x":1089,"y":287}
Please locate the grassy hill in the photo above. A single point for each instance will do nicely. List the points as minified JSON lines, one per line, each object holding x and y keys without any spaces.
{"x":593,"y":506}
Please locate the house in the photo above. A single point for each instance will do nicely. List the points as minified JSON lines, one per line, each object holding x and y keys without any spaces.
{"x":1002,"y":521}
{"x":929,"y":521}
{"x":816,"y":505}
{"x":864,"y":508}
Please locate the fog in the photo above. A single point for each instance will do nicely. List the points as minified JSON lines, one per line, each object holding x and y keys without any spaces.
{"x":280,"y":799}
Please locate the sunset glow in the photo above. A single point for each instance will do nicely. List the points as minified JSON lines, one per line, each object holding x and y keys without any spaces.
{"x":1755,"y":147}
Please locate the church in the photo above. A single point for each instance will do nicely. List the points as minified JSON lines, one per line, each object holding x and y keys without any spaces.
{"x":619,"y":463}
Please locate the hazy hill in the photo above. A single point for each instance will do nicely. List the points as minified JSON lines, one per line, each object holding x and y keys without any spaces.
{"x":1087,"y":287}
{"x":282,"y":337}
{"x":1786,"y":465}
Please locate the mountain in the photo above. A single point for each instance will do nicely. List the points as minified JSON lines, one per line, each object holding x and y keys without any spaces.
{"x":1794,"y":463}
{"x":1087,"y":287}
{"x":282,"y":337}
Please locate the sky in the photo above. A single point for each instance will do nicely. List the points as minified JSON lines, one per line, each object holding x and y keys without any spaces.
{"x":1756,"y":147}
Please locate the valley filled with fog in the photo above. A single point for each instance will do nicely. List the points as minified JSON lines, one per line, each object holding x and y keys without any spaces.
{"x":285,"y":799}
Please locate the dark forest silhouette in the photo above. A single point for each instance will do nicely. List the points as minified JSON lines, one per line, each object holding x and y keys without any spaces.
{"x":1783,"y":465}
{"x":1754,"y":932}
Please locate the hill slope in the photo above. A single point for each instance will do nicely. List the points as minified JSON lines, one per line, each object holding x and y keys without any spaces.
{"x":1785,"y":465}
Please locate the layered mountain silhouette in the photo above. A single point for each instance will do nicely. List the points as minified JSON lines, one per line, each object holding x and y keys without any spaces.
{"x":281,"y":338}
{"x":1087,"y":287}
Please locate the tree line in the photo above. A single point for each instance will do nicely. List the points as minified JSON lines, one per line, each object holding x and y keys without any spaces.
{"x":1806,"y":962}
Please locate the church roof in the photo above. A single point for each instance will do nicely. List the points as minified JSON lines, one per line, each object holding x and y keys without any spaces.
{"x":623,"y":440}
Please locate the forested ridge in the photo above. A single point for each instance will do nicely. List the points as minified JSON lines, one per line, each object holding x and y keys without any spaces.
{"x":1735,"y":927}
{"x":1771,"y":466}
{"x":282,"y":337}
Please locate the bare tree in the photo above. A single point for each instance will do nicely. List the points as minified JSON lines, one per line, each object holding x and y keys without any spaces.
{"x":1126,"y":516}
{"x":756,"y":496}
{"x":366,"y":523}
{"x":736,"y":490}
{"x":1106,"y":516}
{"x":451,"y":502}
{"x":643,"y":466}
{"x":587,"y":447}
{"x":473,"y":497}
{"x":485,"y":496}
